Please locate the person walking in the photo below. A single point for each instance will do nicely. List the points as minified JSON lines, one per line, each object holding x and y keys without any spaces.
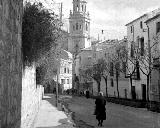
{"x":87,"y":94}
{"x":100,"y":110}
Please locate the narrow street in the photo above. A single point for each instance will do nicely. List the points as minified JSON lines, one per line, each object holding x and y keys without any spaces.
{"x":118,"y":116}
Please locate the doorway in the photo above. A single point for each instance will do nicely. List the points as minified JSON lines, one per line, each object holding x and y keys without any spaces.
{"x":143,"y":92}
{"x":133,"y":92}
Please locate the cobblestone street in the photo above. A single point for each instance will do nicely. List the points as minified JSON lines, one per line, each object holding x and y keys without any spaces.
{"x":118,"y":116}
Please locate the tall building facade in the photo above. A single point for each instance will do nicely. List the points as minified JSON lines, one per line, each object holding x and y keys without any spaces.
{"x":79,"y":34}
{"x":138,"y":37}
{"x":79,"y":27}
{"x":154,"y":41}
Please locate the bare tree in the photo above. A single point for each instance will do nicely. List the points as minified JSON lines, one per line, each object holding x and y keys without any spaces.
{"x":147,"y":58}
{"x":95,"y":72}
{"x":104,"y":72}
{"x":120,"y":61}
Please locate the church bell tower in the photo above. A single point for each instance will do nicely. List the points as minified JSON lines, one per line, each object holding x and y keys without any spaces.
{"x":79,"y":27}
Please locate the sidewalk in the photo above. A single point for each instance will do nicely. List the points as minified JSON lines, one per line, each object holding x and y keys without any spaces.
{"x":49,"y":116}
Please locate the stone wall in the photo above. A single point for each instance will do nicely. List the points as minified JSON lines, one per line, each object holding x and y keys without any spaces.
{"x":31,"y":97}
{"x":19,"y":96}
{"x":10,"y":63}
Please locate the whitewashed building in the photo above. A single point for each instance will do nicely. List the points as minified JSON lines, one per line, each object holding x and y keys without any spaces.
{"x":65,"y":72}
{"x":154,"y":40}
{"x":107,"y":50}
{"x":137,"y":35}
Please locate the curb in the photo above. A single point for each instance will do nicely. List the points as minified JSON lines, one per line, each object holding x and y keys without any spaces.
{"x":67,"y":111}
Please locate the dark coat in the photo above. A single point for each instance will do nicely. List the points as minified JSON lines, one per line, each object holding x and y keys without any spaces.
{"x":100,"y":111}
{"x":87,"y":94}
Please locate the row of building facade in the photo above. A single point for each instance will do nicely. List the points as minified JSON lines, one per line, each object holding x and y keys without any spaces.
{"x":138,"y":67}
{"x":138,"y":52}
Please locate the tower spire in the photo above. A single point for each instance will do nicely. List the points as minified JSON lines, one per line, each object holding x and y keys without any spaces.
{"x":79,"y":6}
{"x":79,"y":23}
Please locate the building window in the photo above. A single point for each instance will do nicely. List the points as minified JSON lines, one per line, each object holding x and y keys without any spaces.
{"x":62,"y":81}
{"x":132,"y":50}
{"x":142,"y":46}
{"x":111,"y":69}
{"x":67,"y":81}
{"x":64,"y":70}
{"x":141,"y":25}
{"x":112,"y":83}
{"x":76,"y":26}
{"x":68,"y":70}
{"x":158,"y":27}
{"x":80,"y":27}
{"x":86,"y":27}
{"x":132,"y":29}
{"x":137,"y":41}
{"x":136,"y":74}
{"x":82,"y":7}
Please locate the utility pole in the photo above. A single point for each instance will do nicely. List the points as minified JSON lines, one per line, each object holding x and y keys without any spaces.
{"x":59,"y":63}
{"x":57,"y":84}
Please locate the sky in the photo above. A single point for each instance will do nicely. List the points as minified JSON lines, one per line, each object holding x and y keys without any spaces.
{"x":109,"y":15}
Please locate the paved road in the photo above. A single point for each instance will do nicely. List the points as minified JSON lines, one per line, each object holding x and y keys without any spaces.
{"x":118,"y":116}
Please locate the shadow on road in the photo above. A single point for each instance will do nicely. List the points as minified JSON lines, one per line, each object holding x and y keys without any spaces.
{"x":50,"y":98}
{"x":64,"y":124}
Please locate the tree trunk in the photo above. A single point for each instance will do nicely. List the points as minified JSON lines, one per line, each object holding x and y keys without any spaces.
{"x":117,"y":86}
{"x":105,"y":78}
{"x":131,"y":87}
{"x":98,"y":86}
{"x":148,"y":76}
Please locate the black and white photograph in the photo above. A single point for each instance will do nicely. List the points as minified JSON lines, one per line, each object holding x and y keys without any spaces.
{"x":79,"y":63}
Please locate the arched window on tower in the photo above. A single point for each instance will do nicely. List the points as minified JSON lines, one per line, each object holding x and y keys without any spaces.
{"x":76,"y":26}
{"x":86,"y":27}
{"x":80,"y":26}
{"x":82,"y":7}
{"x":85,"y":8}
{"x":77,"y":8}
